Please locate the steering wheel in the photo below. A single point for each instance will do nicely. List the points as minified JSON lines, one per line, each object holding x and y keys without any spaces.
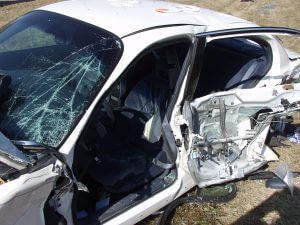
{"x":109,"y":111}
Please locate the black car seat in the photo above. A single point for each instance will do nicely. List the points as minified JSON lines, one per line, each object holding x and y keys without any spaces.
{"x":123,"y":157}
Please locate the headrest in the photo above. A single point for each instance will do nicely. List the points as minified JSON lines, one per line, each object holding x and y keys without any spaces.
{"x":167,"y":67}
{"x":147,"y":96}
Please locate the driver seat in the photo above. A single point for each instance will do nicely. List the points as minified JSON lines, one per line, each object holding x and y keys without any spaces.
{"x":123,"y":157}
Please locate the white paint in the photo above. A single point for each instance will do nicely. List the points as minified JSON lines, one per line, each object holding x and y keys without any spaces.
{"x":123,"y":17}
{"x":22,"y":200}
{"x":128,"y":16}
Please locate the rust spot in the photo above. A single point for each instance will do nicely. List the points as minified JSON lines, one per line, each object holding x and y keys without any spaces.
{"x":288,"y":87}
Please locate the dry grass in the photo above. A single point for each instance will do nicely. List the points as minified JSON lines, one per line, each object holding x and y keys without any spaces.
{"x":281,"y":13}
{"x":10,"y":11}
{"x":254,"y":203}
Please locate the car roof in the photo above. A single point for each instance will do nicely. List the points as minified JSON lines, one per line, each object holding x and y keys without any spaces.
{"x":124,"y":17}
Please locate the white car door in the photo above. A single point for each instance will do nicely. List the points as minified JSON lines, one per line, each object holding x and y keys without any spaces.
{"x":228,"y":129}
{"x":229,"y":139}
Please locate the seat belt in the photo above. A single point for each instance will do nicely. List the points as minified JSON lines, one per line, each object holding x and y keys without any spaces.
{"x":109,"y":110}
{"x":248,"y":74}
{"x":169,"y":148}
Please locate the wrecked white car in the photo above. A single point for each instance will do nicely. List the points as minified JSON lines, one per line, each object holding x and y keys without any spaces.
{"x":112,"y":109}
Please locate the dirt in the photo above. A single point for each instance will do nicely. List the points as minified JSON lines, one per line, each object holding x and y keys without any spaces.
{"x":280,"y":13}
{"x":254,"y":204}
{"x":10,"y":10}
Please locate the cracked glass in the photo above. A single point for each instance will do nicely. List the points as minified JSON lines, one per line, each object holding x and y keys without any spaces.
{"x":51,"y":67}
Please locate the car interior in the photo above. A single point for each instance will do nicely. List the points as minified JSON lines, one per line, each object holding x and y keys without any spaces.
{"x":114,"y":155}
{"x":233,"y":63}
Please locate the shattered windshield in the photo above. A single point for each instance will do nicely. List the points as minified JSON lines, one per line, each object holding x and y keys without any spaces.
{"x":51,"y":67}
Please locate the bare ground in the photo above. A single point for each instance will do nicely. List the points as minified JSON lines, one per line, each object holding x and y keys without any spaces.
{"x":254,"y":203}
{"x":10,"y":11}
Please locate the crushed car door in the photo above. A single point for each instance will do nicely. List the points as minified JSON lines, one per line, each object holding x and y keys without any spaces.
{"x":228,"y":130}
{"x":22,"y":200}
{"x":28,"y":174}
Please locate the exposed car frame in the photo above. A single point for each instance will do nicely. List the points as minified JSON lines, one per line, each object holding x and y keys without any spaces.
{"x":55,"y":183}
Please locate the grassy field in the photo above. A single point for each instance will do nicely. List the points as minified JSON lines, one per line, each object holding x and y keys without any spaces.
{"x":254,"y":203}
